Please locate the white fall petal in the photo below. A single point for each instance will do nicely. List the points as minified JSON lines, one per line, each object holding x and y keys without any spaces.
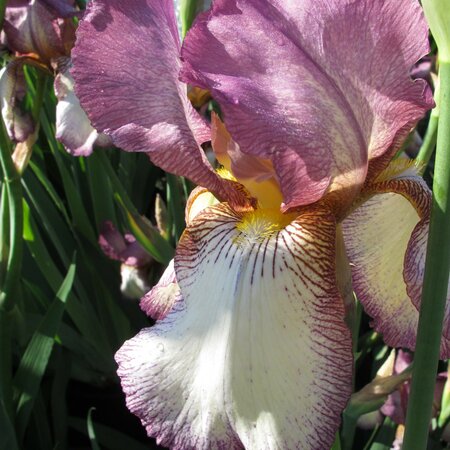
{"x":385,"y":240}
{"x":256,"y":354}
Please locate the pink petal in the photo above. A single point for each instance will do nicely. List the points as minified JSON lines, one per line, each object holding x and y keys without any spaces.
{"x":111,"y":241}
{"x":126,"y":65}
{"x":122,"y":248}
{"x":306,"y":85}
{"x":415,"y":269}
{"x":161,"y":298}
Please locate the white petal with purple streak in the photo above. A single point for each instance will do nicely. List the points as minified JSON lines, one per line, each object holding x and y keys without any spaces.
{"x":257,"y":354}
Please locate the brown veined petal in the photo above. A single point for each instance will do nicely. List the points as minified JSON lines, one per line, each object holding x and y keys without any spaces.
{"x":126,"y":65}
{"x":385,"y":239}
{"x":258,"y":354}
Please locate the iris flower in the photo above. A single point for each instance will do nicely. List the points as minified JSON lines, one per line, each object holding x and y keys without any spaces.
{"x":251,"y":348}
{"x":135,"y":261}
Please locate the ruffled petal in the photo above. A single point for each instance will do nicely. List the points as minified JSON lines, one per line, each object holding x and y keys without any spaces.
{"x":160,"y":299}
{"x":126,"y":65}
{"x":73,"y":128}
{"x":385,"y":239}
{"x":305,"y":84}
{"x":415,"y":269}
{"x":37,"y":27}
{"x":258,"y":354}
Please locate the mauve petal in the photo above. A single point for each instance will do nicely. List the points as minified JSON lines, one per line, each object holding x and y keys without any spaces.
{"x":30,"y":27}
{"x":162,"y":297}
{"x":122,"y":248}
{"x":134,"y":255}
{"x":305,"y":83}
{"x":111,"y":241}
{"x":415,"y":269}
{"x":73,"y":128}
{"x":126,"y":66}
{"x":19,"y":124}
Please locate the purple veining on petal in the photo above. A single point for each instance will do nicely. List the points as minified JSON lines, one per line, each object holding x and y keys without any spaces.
{"x":302,"y":99}
{"x":126,"y":69}
{"x":160,"y":299}
{"x":257,"y":355}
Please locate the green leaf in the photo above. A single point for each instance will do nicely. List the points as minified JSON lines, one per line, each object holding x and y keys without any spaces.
{"x":101,"y":191}
{"x":35,"y":359}
{"x":91,"y":431}
{"x":385,"y":436}
{"x":175,"y":205}
{"x":147,"y":235}
{"x":109,"y":437}
{"x":39,"y":432}
{"x":7,"y":435}
{"x":337,"y":443}
{"x":79,"y":307}
{"x":59,"y":407}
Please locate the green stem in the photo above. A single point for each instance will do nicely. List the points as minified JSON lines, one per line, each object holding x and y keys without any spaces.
{"x":41,"y":84}
{"x":2,"y":12}
{"x":14,"y":190}
{"x":429,"y":142}
{"x":5,"y":363}
{"x":435,"y":284}
{"x":188,"y":8}
{"x":176,"y":207}
{"x":4,"y":232}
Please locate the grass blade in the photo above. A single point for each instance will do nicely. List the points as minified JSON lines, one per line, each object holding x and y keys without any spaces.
{"x":34,"y":361}
{"x":108,"y":437}
{"x":91,"y":431}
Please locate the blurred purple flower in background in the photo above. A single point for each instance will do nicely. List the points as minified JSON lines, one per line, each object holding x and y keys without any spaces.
{"x":135,"y":260}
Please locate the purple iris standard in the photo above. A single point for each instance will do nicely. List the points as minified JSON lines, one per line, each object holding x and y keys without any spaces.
{"x":251,"y":348}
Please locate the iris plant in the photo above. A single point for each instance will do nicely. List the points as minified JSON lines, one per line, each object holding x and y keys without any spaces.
{"x":252,"y":348}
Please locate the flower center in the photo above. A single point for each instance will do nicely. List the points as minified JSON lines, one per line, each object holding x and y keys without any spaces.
{"x":261,"y":224}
